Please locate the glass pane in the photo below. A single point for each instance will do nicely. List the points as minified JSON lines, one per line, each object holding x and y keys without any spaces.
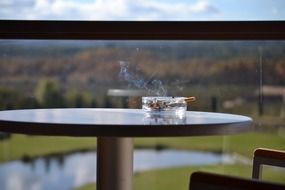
{"x":142,"y":10}
{"x":241,"y":77}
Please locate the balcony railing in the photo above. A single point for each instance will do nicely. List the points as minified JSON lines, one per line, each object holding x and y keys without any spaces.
{"x":143,"y":30}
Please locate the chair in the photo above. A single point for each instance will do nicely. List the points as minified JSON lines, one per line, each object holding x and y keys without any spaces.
{"x":264,"y":156}
{"x":210,"y":181}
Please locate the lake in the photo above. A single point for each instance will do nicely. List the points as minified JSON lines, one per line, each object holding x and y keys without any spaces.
{"x":76,"y":169}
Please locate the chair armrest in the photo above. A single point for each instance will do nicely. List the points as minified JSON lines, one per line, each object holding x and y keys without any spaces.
{"x":270,"y":154}
{"x":263,"y":156}
{"x":205,"y":180}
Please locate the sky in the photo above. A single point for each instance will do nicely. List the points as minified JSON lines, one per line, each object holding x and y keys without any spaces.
{"x":142,"y":9}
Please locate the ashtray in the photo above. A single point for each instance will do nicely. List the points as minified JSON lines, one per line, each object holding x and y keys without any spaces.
{"x":165,"y":104}
{"x":164,"y":119}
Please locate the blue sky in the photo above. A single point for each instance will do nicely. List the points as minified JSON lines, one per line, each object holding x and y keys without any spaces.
{"x":143,"y":9}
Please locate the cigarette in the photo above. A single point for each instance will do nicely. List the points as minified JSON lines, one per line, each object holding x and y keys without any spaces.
{"x":190,"y":99}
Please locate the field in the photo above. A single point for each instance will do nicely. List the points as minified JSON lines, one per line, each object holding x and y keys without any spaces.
{"x":178,"y":178}
{"x":243,"y":144}
{"x":29,"y":147}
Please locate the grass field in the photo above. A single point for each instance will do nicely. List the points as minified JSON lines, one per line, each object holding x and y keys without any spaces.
{"x":178,"y":178}
{"x":20,"y":146}
{"x":244,"y":144}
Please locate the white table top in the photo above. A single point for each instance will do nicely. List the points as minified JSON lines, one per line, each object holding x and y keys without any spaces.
{"x":119,"y":123}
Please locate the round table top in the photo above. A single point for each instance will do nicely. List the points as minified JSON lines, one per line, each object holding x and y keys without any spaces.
{"x":119,"y":123}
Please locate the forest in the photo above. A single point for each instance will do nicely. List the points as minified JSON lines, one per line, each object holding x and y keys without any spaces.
{"x":79,"y":73}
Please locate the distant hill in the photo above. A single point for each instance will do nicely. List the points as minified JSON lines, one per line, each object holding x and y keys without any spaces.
{"x":95,"y":64}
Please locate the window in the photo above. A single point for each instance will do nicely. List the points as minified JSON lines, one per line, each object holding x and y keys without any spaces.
{"x":235,"y":67}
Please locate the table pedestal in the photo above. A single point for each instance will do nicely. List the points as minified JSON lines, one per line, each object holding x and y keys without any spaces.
{"x":114,"y":163}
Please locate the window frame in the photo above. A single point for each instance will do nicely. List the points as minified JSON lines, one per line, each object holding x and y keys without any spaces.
{"x":142,"y":30}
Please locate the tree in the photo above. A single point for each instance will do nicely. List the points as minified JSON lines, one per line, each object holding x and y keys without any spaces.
{"x":49,"y":94}
{"x":77,"y":99}
{"x":8,"y":98}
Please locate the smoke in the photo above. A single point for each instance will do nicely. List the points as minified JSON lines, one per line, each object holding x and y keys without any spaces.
{"x":156,"y":88}
{"x":153,"y":87}
{"x":134,"y":80}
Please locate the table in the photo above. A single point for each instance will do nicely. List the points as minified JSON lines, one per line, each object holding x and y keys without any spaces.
{"x":115,"y":129}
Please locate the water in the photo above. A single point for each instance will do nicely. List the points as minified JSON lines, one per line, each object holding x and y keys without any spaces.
{"x":74,"y":170}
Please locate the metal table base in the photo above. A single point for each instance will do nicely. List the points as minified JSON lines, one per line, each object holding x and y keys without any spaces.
{"x":114,"y":163}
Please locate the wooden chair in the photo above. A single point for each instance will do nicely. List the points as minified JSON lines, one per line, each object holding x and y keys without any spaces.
{"x":210,"y":181}
{"x":264,"y":156}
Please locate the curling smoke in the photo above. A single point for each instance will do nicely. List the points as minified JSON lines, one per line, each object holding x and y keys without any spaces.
{"x":152,"y":86}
